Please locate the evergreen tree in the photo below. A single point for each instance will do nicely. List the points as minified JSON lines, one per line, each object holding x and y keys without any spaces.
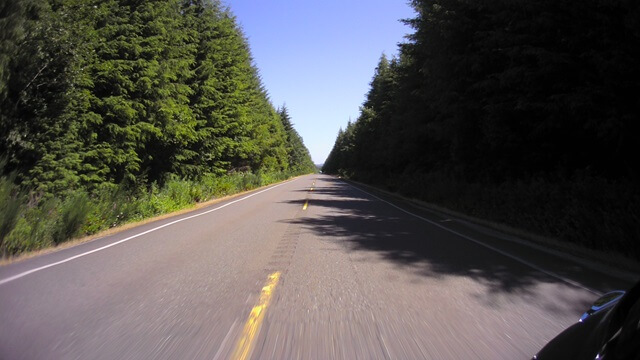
{"x":493,"y":90}
{"x":130,"y":92}
{"x":39,"y":139}
{"x":299,"y":159}
{"x":520,"y":99}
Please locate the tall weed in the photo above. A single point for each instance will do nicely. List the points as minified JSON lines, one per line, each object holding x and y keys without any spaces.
{"x":111,"y":206}
{"x":30,"y":225}
{"x":10,"y":204}
{"x":71,"y":215}
{"x":33,"y":229}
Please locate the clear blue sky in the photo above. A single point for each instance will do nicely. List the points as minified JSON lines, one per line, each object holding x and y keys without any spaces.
{"x":319,"y":56}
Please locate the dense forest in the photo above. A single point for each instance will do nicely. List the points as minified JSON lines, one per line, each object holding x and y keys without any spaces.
{"x":120,"y":102}
{"x":520,"y":112}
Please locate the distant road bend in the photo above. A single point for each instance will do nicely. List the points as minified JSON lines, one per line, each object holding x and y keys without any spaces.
{"x":313,"y":268}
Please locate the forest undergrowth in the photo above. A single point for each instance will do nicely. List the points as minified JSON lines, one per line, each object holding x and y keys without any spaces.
{"x":30,"y":221}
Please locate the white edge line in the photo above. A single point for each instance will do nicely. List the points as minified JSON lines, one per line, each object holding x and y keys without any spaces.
{"x":18,"y":276}
{"x":502,"y":252}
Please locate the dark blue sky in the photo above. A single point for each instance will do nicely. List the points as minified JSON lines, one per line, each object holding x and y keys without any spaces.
{"x":318,"y":57}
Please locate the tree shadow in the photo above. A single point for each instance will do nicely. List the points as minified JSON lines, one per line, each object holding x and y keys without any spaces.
{"x":376,"y":231}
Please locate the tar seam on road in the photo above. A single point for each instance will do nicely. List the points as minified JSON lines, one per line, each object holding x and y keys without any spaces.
{"x":247,"y":340}
{"x":18,"y":276}
{"x":502,"y":252}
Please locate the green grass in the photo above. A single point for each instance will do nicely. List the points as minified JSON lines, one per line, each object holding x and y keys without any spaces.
{"x":29,"y":223}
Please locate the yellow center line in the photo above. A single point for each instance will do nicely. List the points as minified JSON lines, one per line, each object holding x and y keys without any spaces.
{"x":245,"y":345}
{"x":306,"y":202}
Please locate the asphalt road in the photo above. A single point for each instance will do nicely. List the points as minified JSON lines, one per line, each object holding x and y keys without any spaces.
{"x":310,"y":269}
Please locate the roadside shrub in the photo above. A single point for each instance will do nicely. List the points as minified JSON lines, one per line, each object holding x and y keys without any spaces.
{"x":36,"y":223}
{"x":33,"y":229}
{"x":176,"y":195}
{"x":223,"y":186}
{"x":150,"y":202}
{"x":10,"y":204}
{"x":585,"y":210}
{"x":112,"y":206}
{"x":27,"y":236}
{"x":250,"y":181}
{"x":72,"y":213}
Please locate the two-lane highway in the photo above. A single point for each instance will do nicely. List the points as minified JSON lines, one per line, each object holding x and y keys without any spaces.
{"x":309,"y":269}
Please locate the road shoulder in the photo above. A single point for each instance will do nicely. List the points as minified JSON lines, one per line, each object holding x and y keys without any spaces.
{"x":133,"y":225}
{"x":506,"y":237}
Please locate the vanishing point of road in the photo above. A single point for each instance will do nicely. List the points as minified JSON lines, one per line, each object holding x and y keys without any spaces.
{"x":312,"y":268}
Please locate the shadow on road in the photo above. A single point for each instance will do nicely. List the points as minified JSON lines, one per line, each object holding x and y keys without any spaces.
{"x":362,"y":225}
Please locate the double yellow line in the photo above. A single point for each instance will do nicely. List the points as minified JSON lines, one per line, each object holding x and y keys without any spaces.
{"x":245,"y":345}
{"x":306,"y":203}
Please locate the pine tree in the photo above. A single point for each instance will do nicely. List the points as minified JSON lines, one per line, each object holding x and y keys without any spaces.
{"x":39,"y":139}
{"x":299,"y":159}
{"x":129,"y":92}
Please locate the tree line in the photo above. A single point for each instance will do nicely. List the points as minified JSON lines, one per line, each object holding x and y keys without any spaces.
{"x":123,"y":97}
{"x":121,"y":91}
{"x":523,"y":112}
